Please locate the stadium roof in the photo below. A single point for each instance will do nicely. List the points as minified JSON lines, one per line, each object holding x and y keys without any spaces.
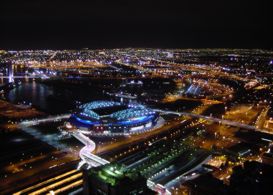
{"x":131,"y":111}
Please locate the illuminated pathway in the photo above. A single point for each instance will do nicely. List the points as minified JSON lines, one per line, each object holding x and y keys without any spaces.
{"x":85,"y":153}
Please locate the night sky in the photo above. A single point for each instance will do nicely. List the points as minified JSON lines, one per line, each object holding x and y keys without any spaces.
{"x":61,"y":24}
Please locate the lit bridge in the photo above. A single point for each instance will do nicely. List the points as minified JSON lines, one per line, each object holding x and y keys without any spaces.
{"x":85,"y":153}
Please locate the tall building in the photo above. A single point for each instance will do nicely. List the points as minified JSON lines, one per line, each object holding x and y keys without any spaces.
{"x":10,"y":72}
{"x":114,"y":179}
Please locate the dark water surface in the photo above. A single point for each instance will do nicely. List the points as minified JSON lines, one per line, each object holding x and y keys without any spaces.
{"x":51,"y":99}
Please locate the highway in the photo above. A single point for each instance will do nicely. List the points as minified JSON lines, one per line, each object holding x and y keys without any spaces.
{"x":209,"y":118}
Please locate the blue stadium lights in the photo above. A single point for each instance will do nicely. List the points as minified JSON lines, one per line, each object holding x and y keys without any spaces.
{"x":87,"y":122}
{"x":137,"y":120}
{"x":113,"y":116}
{"x":99,"y":104}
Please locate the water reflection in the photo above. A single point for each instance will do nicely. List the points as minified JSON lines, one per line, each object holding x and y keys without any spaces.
{"x":31,"y":92}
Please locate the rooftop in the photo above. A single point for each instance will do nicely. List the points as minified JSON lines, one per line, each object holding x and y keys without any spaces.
{"x":113,"y":173}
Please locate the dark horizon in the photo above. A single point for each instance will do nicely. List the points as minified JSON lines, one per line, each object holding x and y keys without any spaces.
{"x":119,"y":24}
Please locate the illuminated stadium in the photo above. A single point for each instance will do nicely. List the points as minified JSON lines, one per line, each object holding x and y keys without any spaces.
{"x":109,"y":117}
